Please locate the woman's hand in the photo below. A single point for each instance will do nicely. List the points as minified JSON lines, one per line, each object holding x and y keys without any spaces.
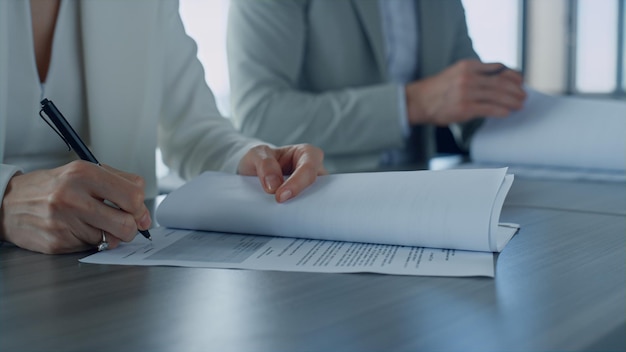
{"x":303,"y":162}
{"x":62,"y":210}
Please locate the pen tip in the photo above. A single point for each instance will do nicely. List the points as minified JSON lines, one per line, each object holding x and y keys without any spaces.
{"x":146,"y":234}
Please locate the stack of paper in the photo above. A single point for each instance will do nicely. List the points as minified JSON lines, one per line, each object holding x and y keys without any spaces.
{"x":443,"y":223}
{"x":556,"y":137}
{"x":457,"y":209}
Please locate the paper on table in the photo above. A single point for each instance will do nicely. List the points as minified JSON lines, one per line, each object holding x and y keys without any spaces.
{"x":453,"y":209}
{"x":225,"y":250}
{"x":561,"y":133}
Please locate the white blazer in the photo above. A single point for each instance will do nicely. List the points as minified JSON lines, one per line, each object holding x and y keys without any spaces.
{"x":144,"y":87}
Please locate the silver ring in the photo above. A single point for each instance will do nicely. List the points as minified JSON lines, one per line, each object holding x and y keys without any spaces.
{"x":104,"y":244}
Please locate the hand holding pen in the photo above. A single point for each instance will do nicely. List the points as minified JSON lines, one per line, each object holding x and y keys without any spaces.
{"x":67,"y":133}
{"x":63,"y":210}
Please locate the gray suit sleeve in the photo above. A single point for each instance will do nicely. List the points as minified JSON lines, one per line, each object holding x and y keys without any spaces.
{"x":463,"y":132}
{"x":266,"y":52}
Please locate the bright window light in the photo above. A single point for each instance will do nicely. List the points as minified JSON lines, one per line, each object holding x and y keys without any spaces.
{"x":596,"y":46}
{"x":205,"y":21}
{"x":494,"y":26}
{"x":624,"y":46}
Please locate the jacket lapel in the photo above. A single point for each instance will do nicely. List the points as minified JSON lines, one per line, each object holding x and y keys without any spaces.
{"x":424,"y":44}
{"x":369,"y":15}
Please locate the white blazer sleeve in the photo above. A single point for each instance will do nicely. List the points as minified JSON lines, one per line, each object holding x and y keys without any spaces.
{"x":6,"y":172}
{"x":193,"y":136}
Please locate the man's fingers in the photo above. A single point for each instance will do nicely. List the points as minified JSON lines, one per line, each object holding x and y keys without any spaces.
{"x":497,"y":97}
{"x":490,"y":69}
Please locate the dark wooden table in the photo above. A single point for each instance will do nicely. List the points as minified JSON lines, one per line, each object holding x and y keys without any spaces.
{"x":560,"y":285}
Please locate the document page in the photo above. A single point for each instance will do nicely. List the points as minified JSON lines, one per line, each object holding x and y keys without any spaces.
{"x":188,"y":248}
{"x":456,"y":209}
{"x":560,"y":136}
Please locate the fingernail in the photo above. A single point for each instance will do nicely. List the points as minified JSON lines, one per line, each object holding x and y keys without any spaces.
{"x":144,"y":221}
{"x":283,"y":197}
{"x":272,"y":182}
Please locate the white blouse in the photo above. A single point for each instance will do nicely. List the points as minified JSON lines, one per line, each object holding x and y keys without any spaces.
{"x":127,"y":77}
{"x":30,"y":143}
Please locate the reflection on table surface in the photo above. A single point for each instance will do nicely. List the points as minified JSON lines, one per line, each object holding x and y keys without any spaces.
{"x":560,"y":285}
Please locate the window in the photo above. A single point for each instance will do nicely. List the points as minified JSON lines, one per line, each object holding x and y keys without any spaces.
{"x":205,"y":21}
{"x":623,"y":34}
{"x":496,"y":38}
{"x":595,"y":63}
{"x":596,"y":46}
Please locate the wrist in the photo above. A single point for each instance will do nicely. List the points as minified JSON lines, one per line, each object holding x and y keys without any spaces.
{"x":416,"y":111}
{"x":7,"y":173}
{"x":3,"y":208}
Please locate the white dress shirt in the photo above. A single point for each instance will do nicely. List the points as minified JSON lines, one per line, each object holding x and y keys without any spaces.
{"x":400,"y":33}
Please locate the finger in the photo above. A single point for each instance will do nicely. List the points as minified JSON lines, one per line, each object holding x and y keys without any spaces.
{"x":53,"y":243}
{"x":507,"y":78}
{"x":465,"y":65}
{"x":52,"y":211}
{"x":308,"y":162}
{"x":97,"y":237}
{"x":495,"y":90}
{"x":115,"y":221}
{"x":262,"y":161}
{"x":490,"y":69}
{"x":84,"y":239}
{"x":301,"y":178}
{"x":270,"y":174}
{"x":122,"y":218}
{"x":509,"y":85}
{"x":290,"y":156}
{"x":499,"y":76}
{"x":133,"y":178}
{"x":513,"y":77}
{"x":90,"y":214}
{"x":84,"y":186}
{"x":503,"y":98}
{"x":126,"y":191}
{"x":112,"y":240}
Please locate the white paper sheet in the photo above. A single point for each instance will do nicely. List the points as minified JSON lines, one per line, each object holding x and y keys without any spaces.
{"x":557,"y":137}
{"x":226,"y":250}
{"x":452,"y":209}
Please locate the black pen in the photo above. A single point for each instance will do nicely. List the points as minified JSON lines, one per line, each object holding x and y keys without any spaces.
{"x":67,"y":133}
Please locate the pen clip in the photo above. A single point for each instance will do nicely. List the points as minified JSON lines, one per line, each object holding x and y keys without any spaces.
{"x":41,"y":114}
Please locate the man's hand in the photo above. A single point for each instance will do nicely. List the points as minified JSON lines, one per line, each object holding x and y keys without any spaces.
{"x":464,"y":91}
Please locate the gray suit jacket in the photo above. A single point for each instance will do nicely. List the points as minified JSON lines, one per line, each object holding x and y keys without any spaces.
{"x":314,"y":71}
